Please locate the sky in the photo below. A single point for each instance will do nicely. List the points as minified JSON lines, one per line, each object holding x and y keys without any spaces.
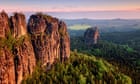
{"x":74,"y":9}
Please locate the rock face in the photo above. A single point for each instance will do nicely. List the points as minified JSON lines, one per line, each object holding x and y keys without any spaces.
{"x":4,"y":24}
{"x":18,"y":25}
{"x":64,"y":41}
{"x":24,"y":60}
{"x":91,"y":36}
{"x":7,"y":70}
{"x":18,"y":62}
{"x":19,"y":52}
{"x":49,"y":38}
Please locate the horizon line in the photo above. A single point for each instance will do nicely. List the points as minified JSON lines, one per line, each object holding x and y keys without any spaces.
{"x":72,"y":11}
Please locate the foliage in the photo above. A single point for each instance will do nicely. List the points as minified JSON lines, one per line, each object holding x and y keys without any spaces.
{"x":10,"y":41}
{"x":128,"y":38}
{"x":122,"y":56}
{"x":79,"y":69}
{"x":79,"y":27}
{"x":61,"y":32}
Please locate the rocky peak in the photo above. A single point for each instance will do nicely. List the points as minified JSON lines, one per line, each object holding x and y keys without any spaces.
{"x":18,"y":25}
{"x":4,"y":24}
{"x":37,"y":24}
{"x":91,"y":35}
{"x":47,"y":39}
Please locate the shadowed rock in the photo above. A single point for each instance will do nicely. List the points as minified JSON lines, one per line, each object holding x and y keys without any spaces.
{"x":49,"y":38}
{"x":91,"y":36}
{"x":18,"y":25}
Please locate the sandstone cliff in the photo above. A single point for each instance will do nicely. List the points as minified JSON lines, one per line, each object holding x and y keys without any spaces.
{"x":7,"y":69}
{"x":49,"y":38}
{"x":91,"y":36}
{"x":18,"y":25}
{"x":44,"y":39}
{"x":4,"y":24}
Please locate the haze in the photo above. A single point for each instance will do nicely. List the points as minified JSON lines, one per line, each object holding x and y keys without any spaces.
{"x":76,"y":9}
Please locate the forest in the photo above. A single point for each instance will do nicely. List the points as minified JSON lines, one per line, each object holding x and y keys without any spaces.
{"x":119,"y":48}
{"x":113,"y":60}
{"x":79,"y":69}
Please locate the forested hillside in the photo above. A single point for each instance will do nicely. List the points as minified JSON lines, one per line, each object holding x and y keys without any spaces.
{"x":79,"y":69}
{"x":128,"y":38}
{"x":122,"y":56}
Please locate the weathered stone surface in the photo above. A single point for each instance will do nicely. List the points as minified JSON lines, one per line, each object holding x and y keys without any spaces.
{"x":91,"y":36}
{"x":18,"y":25}
{"x":4,"y":24}
{"x":17,"y":63}
{"x":49,"y":41}
{"x":24,"y":59}
{"x":7,"y":70}
{"x":38,"y":24}
{"x":52,"y":40}
{"x":64,"y":41}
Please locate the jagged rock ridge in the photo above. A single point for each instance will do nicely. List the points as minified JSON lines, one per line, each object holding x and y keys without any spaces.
{"x":44,"y":39}
{"x":91,"y":36}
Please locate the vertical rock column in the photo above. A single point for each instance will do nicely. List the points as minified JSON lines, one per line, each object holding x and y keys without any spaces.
{"x":4,"y":24}
{"x":18,"y":25}
{"x":91,"y":36}
{"x":24,"y":58}
{"x":64,"y":41}
{"x":7,"y":70}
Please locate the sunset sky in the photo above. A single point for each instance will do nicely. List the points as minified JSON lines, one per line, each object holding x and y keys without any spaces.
{"x":90,"y":8}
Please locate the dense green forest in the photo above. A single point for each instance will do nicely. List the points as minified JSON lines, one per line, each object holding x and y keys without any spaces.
{"x":128,"y":38}
{"x":79,"y":69}
{"x":124,"y":57}
{"x":87,"y":64}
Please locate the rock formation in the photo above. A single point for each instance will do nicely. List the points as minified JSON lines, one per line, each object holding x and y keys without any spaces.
{"x":24,"y":59}
{"x":4,"y":24}
{"x":49,"y":38}
{"x":18,"y":25}
{"x":7,"y":69}
{"x":91,"y":36}
{"x":44,"y":39}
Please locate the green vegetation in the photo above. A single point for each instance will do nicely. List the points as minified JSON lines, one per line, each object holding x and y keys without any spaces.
{"x":122,"y":56}
{"x":79,"y":27}
{"x":61,"y":32}
{"x":10,"y":41}
{"x":79,"y":69}
{"x":131,"y":39}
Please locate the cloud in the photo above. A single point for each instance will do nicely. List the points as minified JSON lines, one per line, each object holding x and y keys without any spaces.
{"x":138,"y":9}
